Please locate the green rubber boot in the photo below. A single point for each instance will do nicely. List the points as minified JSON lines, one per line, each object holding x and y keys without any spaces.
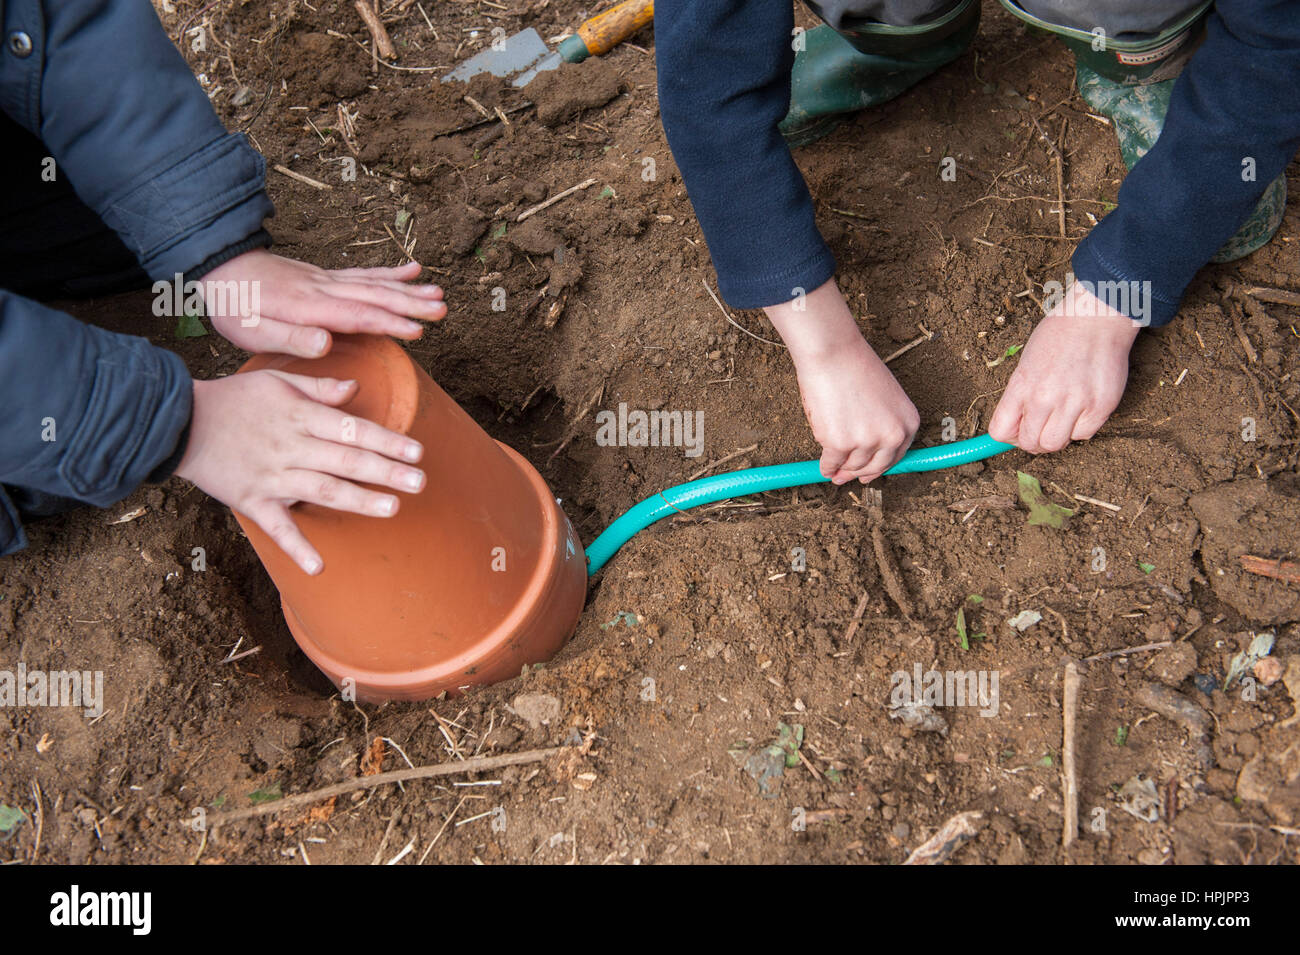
{"x":1138,"y":113}
{"x":838,"y":73}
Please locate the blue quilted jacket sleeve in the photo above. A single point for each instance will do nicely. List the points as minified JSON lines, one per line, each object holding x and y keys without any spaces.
{"x":128,"y":126}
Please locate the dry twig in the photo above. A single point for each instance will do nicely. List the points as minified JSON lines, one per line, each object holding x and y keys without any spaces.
{"x":478,"y":764}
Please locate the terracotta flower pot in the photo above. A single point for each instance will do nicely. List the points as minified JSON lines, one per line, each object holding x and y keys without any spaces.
{"x":476,"y":576}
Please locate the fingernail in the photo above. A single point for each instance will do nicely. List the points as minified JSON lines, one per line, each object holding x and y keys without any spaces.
{"x":413,"y":480}
{"x":412,"y":328}
{"x":343,"y":386}
{"x":313,"y":566}
{"x":412,"y":451}
{"x":386,"y":507}
{"x":319,"y":342}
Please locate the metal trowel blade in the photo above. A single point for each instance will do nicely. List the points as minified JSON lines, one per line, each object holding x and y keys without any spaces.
{"x":522,"y":55}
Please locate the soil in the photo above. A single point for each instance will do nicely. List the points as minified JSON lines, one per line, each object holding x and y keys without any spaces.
{"x":708,"y":631}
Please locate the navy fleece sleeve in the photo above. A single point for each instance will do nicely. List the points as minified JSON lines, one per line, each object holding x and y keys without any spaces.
{"x":1238,"y":98}
{"x":724,"y":85}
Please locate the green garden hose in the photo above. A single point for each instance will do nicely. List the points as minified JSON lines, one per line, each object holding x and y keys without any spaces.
{"x":770,"y":478}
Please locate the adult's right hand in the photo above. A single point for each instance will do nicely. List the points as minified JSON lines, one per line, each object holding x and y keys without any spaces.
{"x":262,"y":441}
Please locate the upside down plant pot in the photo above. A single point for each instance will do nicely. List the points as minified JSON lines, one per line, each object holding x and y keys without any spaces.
{"x":477,"y":576}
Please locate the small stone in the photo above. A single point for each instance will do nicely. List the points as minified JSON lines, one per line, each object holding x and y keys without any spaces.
{"x":535,"y":708}
{"x":1268,"y":670}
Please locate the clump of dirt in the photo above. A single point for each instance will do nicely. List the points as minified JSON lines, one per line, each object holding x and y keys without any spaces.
{"x":563,"y":94}
{"x":1250,"y":517}
{"x":708,"y":632}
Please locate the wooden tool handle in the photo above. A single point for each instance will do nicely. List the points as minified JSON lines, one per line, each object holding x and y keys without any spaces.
{"x":607,"y":30}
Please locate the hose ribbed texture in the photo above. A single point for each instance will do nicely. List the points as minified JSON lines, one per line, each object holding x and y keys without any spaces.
{"x":770,"y":478}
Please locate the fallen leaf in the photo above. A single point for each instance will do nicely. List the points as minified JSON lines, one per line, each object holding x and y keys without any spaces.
{"x":1041,"y":510}
{"x":10,"y":817}
{"x":373,"y":761}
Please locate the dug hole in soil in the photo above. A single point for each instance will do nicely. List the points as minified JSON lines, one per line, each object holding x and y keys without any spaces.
{"x":707,"y":632}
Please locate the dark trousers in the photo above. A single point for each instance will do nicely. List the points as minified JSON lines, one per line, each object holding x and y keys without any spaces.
{"x":52,"y":245}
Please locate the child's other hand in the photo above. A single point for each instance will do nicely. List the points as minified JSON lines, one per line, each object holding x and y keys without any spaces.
{"x":264,"y":440}
{"x":857,"y":410}
{"x":298,"y":305}
{"x":1070,"y":378}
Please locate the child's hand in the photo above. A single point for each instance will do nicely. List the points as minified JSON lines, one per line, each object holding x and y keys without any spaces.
{"x":857,"y":410}
{"x":1070,"y":378}
{"x":264,"y":440}
{"x":297,"y":305}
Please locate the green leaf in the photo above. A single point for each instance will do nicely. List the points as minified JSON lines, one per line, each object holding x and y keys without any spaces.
{"x":190,"y":326}
{"x":976,"y":598}
{"x":400,"y":221}
{"x":790,"y":738}
{"x":1004,"y":356}
{"x":1046,"y":761}
{"x":268,"y":794}
{"x":1121,"y":736}
{"x":834,"y":775}
{"x":961,"y":629}
{"x":1041,"y":510}
{"x":606,"y":192}
{"x":1145,"y":567}
{"x":628,"y":618}
{"x":498,"y":231}
{"x":10,"y":817}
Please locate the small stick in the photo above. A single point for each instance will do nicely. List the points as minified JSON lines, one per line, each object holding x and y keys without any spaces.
{"x":1070,"y":705}
{"x":951,"y":836}
{"x":40,"y":819}
{"x":857,"y":619}
{"x":483,"y":122}
{"x":475,"y":765}
{"x":731,"y":321}
{"x":1284,"y":570}
{"x":859,"y":215}
{"x":1000,"y":501}
{"x":924,"y":337}
{"x":721,"y":461}
{"x":445,"y":823}
{"x":1127,"y":650}
{"x":379,"y":853}
{"x":1060,"y":179}
{"x":888,"y":574}
{"x":240,"y":656}
{"x":482,"y":110}
{"x":378,"y":34}
{"x":1276,"y":296}
{"x":1093,"y":500}
{"x":305,"y":180}
{"x":585,"y":184}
